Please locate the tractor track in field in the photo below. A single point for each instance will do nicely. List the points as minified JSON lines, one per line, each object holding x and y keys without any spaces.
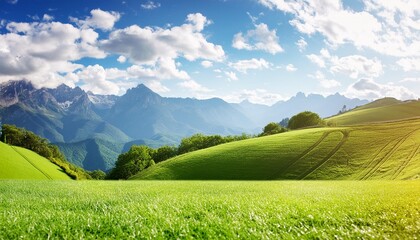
{"x":344,"y":138}
{"x":387,"y":155}
{"x":30,"y":162}
{"x":303,"y":154}
{"x":406,"y":162}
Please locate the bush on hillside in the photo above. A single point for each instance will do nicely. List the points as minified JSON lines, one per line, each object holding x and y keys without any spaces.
{"x":97,"y":174}
{"x":163,"y":153}
{"x":272,"y":128}
{"x":132,"y":162}
{"x":304,"y":119}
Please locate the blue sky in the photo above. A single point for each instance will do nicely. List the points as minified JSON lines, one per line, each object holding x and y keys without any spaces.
{"x":260,"y":50}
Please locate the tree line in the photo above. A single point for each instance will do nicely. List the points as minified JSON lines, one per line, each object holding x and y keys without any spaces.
{"x":141,"y":157}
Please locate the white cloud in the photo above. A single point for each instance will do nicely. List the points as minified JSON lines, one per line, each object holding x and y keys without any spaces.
{"x":411,"y":79}
{"x":302,"y":44}
{"x":318,"y":60}
{"x":387,"y":27}
{"x":369,"y":89}
{"x":207,"y":64}
{"x":95,"y":80}
{"x":43,"y":52}
{"x":150,"y":5}
{"x":244,"y":65}
{"x":409,"y":64}
{"x":166,"y":69}
{"x":258,"y":96}
{"x":323,"y":81}
{"x":99,"y":19}
{"x":156,"y":86}
{"x":194,"y":86}
{"x":47,"y":18}
{"x":147,"y":45}
{"x":291,"y":68}
{"x":231,"y":76}
{"x":260,"y":38}
{"x":354,"y":66}
{"x":121,"y":59}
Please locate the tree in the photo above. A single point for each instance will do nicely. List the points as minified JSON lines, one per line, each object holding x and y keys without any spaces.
{"x":199,"y":141}
{"x":130,"y":163}
{"x":97,"y":174}
{"x":304,"y":119}
{"x":272,"y":128}
{"x":163,"y":153}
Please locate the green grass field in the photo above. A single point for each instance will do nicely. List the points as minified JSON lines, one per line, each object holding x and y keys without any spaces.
{"x":387,"y":109}
{"x":209,"y":210}
{"x":374,"y":151}
{"x":20,"y":163}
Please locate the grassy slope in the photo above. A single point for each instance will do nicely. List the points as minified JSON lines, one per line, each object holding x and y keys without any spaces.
{"x":375,"y":151}
{"x":20,"y":163}
{"x":387,"y":109}
{"x":209,"y":210}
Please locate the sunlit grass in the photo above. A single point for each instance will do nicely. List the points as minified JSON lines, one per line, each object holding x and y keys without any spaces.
{"x":211,"y":209}
{"x":374,"y":151}
{"x":20,"y":163}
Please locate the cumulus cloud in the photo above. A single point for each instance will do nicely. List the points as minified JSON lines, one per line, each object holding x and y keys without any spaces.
{"x":231,"y":76}
{"x":156,"y":86}
{"x":323,"y":81}
{"x":43,"y":52}
{"x":369,"y":89}
{"x":301,"y":44}
{"x":147,"y":45}
{"x":121,"y":59}
{"x":194,"y":86}
{"x":388,"y":27}
{"x":260,"y":38}
{"x":258,"y":96}
{"x":47,"y":18}
{"x":291,"y":68}
{"x":95,"y":80}
{"x":150,"y":5}
{"x":354,"y":66}
{"x":244,"y":65}
{"x":409,"y":64}
{"x":99,"y":19}
{"x":411,"y":79}
{"x":318,"y":60}
{"x":207,"y":64}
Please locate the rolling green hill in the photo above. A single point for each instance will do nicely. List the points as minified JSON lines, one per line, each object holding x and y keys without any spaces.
{"x":386,"y":109}
{"x":20,"y":163}
{"x":375,"y":151}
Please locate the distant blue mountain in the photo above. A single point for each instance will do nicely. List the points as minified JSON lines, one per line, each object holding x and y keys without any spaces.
{"x":324,"y":106}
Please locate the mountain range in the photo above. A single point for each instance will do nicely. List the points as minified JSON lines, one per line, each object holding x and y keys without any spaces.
{"x":92,"y":130}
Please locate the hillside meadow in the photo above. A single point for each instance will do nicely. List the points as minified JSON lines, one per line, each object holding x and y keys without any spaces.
{"x":387,"y":151}
{"x":382,"y":110}
{"x":209,"y":209}
{"x":21,"y":163}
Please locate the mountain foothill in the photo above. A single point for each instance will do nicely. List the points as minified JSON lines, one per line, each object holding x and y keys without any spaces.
{"x":92,"y":130}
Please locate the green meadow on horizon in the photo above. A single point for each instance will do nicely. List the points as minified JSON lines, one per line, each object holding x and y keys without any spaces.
{"x":379,"y":140}
{"x":381,"y":110}
{"x":21,"y":163}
